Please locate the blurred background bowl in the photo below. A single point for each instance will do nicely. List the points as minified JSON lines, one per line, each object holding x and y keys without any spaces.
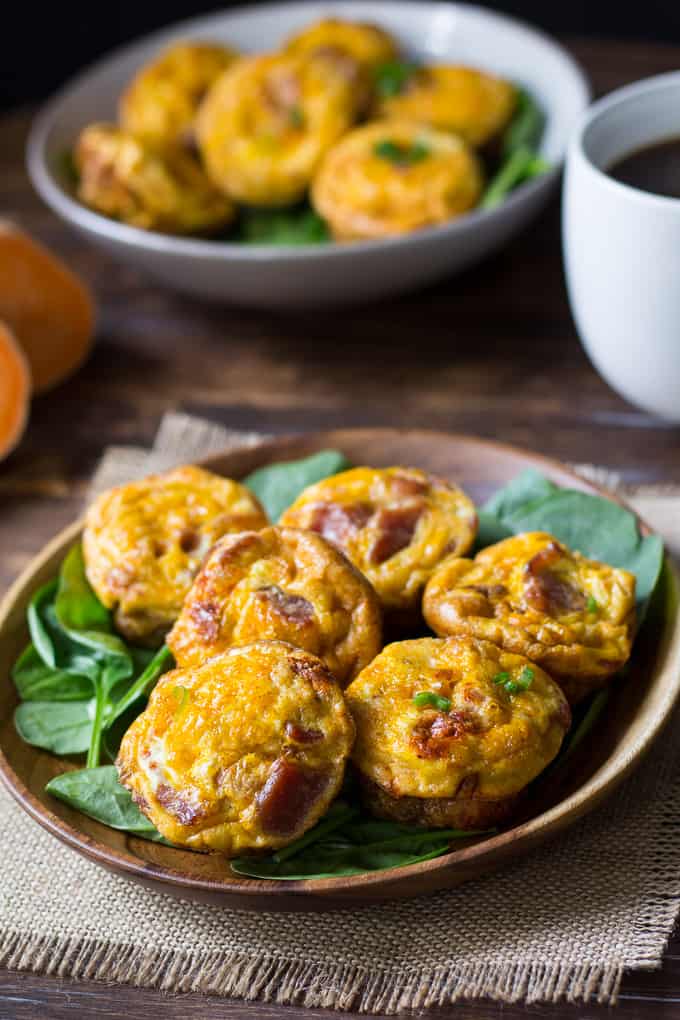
{"x":312,"y":275}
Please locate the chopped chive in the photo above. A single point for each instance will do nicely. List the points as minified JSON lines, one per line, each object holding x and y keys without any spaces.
{"x":418,"y":152}
{"x":428,"y":698}
{"x":525,"y":678}
{"x":391,"y":78}
{"x":592,"y":605}
{"x":522,"y":683}
{"x":297,"y":117}
{"x":401,"y":155}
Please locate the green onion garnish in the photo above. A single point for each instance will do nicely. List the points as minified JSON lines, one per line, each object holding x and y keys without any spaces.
{"x":425,"y":699}
{"x":522,"y":683}
{"x":401,"y":155}
{"x":592,"y":605}
{"x":525,"y":679}
{"x":297,"y":117}
{"x":391,"y":78}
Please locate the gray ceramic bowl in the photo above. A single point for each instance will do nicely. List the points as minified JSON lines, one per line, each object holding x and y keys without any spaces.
{"x":272,"y":276}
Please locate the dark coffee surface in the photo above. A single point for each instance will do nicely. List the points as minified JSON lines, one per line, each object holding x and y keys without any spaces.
{"x":654,"y":168}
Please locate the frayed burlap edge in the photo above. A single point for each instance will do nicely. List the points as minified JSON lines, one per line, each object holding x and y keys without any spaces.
{"x":294,"y":982}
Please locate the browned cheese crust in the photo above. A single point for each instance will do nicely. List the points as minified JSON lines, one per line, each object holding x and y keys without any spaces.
{"x":144,"y":543}
{"x":395,"y":524}
{"x":463,"y":760}
{"x":531,"y":595}
{"x":284,"y":584}
{"x":245,"y":752}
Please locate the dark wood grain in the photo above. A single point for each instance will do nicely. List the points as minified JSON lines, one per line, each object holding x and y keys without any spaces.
{"x":492,"y":352}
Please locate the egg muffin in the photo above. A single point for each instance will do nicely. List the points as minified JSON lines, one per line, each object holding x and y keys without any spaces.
{"x":531,"y":595}
{"x":144,"y":543}
{"x":160,"y":103}
{"x":474,"y":105}
{"x":391,"y":177}
{"x":244,"y":752}
{"x":451,"y":731}
{"x":368,"y":44}
{"x":395,"y":524}
{"x":285,"y":584}
{"x":165,"y":190}
{"x":267,"y":121}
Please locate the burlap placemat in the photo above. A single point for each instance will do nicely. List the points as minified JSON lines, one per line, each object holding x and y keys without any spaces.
{"x":563,"y":924}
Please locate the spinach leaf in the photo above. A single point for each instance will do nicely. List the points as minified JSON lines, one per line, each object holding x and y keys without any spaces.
{"x":526,"y":127}
{"x":351,"y":851}
{"x":144,"y":684}
{"x":278,"y":485}
{"x":98,"y":793}
{"x":41,"y":632}
{"x":526,"y":488}
{"x":35,"y":681}
{"x":518,"y":168}
{"x":295,"y":226}
{"x":76,"y":605}
{"x":87,"y":624}
{"x":520,"y":159}
{"x":76,"y":655}
{"x":62,"y":727}
{"x":594,"y":526}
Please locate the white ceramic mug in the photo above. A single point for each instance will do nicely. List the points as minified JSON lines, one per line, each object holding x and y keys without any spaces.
{"x":622,"y":247}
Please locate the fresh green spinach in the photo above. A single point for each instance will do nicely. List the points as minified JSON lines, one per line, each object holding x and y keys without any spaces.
{"x":62,"y":727}
{"x":35,"y":681}
{"x":345,"y":843}
{"x":294,"y":226}
{"x":519,"y":149}
{"x":278,"y":485}
{"x":98,"y":793}
{"x":526,"y":127}
{"x":76,"y":659}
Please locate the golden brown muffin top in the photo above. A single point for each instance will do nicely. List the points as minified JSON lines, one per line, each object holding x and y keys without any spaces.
{"x":395,"y":524}
{"x":435,"y":717}
{"x":243,"y":752}
{"x":530,"y":594}
{"x":144,"y":542}
{"x":282,"y":584}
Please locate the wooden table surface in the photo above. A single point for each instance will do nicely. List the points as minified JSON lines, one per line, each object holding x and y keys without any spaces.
{"x":492,"y":352}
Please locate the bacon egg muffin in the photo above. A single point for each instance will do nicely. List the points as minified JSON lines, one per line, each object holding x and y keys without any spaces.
{"x":473,"y":104}
{"x":144,"y":543}
{"x":531,"y":595}
{"x":450,"y":732}
{"x":267,"y":121}
{"x":391,"y":177}
{"x":395,"y":524}
{"x":244,"y":752}
{"x":165,"y":190}
{"x":285,"y":584}
{"x":160,"y":103}
{"x":368,"y":44}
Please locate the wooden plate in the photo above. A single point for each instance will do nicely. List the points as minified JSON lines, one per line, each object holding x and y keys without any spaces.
{"x":635,"y":714}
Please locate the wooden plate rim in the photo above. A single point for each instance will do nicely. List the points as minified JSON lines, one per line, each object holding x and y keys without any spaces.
{"x":561,"y":815}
